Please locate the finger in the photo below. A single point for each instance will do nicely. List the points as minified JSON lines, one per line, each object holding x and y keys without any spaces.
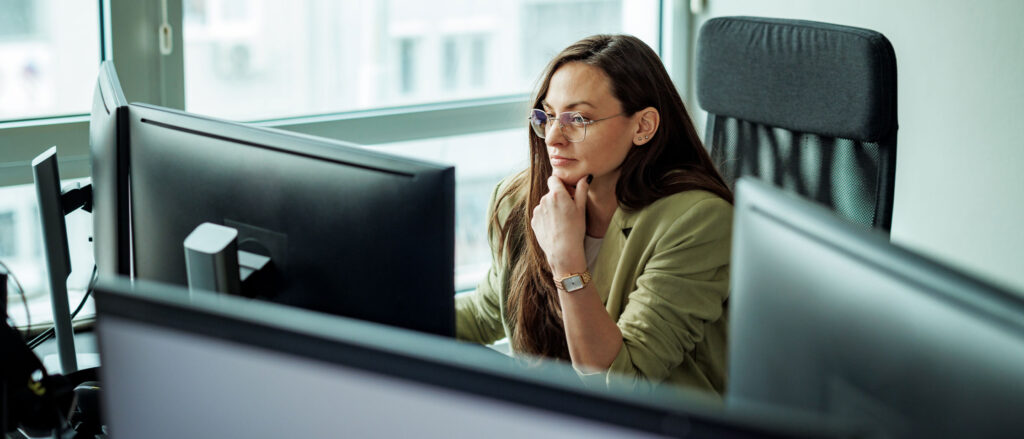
{"x":555,"y":185}
{"x":540,"y":209}
{"x":582,"y":186}
{"x":537,"y":213}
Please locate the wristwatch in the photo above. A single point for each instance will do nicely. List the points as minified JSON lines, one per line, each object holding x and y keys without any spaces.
{"x":573,"y":282}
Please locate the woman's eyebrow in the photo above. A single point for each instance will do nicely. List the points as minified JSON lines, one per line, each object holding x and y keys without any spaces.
{"x":579,"y":103}
{"x":570,"y":106}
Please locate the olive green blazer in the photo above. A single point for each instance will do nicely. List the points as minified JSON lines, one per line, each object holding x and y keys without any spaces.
{"x":663,"y":275}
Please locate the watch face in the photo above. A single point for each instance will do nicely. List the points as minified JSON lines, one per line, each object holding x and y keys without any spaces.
{"x":572,"y":283}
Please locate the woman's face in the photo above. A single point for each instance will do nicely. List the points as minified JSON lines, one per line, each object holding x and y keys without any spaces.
{"x":580,"y":87}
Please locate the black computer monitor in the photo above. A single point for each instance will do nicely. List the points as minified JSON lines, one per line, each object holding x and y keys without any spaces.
{"x":221,"y":366}
{"x":108,"y":143}
{"x":350,"y":231}
{"x":826,"y":316}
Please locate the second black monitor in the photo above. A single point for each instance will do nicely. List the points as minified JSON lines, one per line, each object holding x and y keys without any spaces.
{"x":108,"y":144}
{"x":830,"y":318}
{"x":350,"y":232}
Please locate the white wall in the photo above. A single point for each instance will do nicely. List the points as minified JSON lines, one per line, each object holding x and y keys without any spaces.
{"x":959,"y":192}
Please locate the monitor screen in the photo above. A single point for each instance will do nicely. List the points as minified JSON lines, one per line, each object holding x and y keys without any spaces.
{"x":349,"y":231}
{"x":226,"y":367}
{"x":828,"y":317}
{"x":108,"y":143}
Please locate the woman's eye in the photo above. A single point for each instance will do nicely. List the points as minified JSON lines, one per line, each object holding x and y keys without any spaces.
{"x":578,"y":119}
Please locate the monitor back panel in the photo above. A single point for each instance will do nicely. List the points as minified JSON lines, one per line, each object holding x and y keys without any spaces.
{"x":351,"y":232}
{"x":831,"y":318}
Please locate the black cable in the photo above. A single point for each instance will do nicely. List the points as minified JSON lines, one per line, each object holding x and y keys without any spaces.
{"x":35,"y":342}
{"x":21,"y":292}
{"x":3,"y":407}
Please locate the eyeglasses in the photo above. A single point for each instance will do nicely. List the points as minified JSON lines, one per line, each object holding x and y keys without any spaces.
{"x":572,"y":123}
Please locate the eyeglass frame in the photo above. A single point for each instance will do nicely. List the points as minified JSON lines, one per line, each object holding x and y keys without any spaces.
{"x":561,"y":126}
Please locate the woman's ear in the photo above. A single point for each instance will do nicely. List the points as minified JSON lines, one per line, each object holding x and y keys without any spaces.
{"x":647,"y":125}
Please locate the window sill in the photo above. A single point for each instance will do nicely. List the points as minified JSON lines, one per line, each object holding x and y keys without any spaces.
{"x":416,"y":122}
{"x":24,"y":140}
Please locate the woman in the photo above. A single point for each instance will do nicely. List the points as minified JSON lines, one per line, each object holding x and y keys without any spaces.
{"x":612,"y":249}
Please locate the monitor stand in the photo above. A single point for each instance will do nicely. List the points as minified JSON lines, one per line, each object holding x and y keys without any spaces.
{"x":214,"y":262}
{"x":53,"y":205}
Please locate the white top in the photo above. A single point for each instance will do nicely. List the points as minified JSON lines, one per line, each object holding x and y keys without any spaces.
{"x":591,"y":246}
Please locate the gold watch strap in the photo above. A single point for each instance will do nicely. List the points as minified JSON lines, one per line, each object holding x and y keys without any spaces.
{"x":584,"y":276}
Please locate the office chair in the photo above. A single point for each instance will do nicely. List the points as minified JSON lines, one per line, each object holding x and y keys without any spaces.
{"x":808,"y":106}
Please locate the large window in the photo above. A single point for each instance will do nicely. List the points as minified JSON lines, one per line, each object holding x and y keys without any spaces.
{"x":49,"y":51}
{"x":431,"y":79}
{"x":49,"y":54}
{"x":249,"y":60}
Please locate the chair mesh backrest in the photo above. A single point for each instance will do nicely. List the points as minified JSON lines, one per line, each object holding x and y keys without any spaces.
{"x":810,"y":107}
{"x":842,"y":174}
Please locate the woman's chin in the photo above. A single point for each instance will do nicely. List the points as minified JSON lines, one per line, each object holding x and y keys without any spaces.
{"x":568,"y":178}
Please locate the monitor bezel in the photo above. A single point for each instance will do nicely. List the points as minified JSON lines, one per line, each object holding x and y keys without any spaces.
{"x":444,"y":363}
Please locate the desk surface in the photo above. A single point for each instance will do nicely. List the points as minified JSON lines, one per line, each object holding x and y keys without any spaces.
{"x":86,"y":350}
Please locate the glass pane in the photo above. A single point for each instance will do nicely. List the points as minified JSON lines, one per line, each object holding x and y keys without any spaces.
{"x":250,"y":60}
{"x":481,"y":161}
{"x":50,"y":51}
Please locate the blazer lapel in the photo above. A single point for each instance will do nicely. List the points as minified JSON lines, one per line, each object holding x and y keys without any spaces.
{"x":606,"y":268}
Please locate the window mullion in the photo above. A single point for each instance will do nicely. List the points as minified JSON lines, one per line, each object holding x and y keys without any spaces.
{"x":678,"y":42}
{"x":147,"y":75}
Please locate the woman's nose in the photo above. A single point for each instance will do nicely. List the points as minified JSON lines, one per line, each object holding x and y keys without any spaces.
{"x":554,"y":134}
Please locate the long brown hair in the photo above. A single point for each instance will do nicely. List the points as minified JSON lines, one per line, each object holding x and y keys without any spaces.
{"x":673,"y":161}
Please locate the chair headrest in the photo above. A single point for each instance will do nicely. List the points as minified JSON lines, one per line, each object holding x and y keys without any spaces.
{"x":804,"y":76}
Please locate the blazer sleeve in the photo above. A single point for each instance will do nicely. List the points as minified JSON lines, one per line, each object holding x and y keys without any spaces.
{"x":682,"y":287}
{"x":478,"y":314}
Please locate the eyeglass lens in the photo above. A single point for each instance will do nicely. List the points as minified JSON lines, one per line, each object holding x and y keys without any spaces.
{"x":571,"y":123}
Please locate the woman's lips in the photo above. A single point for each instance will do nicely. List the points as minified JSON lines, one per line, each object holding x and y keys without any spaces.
{"x":557,"y":160}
